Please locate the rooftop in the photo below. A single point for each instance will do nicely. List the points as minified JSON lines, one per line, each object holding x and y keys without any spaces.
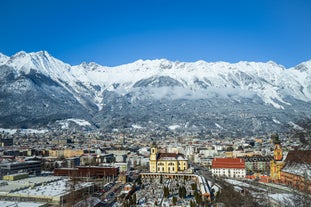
{"x":235,"y":163}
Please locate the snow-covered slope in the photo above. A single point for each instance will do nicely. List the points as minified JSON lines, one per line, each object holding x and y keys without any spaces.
{"x":97,"y":87}
{"x":272,"y":82}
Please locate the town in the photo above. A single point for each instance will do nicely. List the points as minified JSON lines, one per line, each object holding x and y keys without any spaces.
{"x":129,"y":168}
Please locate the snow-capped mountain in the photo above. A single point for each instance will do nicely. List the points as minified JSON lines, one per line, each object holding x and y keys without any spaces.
{"x":37,"y":88}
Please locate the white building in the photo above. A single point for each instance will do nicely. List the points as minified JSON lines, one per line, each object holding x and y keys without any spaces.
{"x":229,"y":167}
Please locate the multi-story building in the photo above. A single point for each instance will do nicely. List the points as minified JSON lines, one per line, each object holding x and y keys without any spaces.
{"x":229,"y":167}
{"x":32,"y":167}
{"x":257,"y":164}
{"x":167,"y":162}
{"x":297,"y":170}
{"x":6,"y":142}
{"x":73,"y":153}
{"x":88,"y":171}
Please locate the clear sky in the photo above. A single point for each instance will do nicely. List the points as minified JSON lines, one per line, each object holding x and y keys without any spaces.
{"x":114,"y":32}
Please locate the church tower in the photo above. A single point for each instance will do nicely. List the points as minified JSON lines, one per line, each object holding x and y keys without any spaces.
{"x":276,"y":164}
{"x":277,"y":153}
{"x":153,"y":157}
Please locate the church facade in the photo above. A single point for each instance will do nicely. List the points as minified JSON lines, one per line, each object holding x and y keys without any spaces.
{"x":166,"y":162}
{"x":277,"y":163}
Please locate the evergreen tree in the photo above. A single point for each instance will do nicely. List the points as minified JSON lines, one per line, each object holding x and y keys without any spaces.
{"x":165,"y":191}
{"x":179,"y":192}
{"x":174,"y":200}
{"x":134,"y":199}
{"x":183,"y":192}
{"x":194,"y":186}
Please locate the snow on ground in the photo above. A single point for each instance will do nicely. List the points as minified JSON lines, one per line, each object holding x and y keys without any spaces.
{"x":9,"y":131}
{"x":242,"y":184}
{"x":276,"y":121}
{"x":23,"y":131}
{"x":282,"y":198}
{"x":173,"y":127}
{"x":65,"y":123}
{"x":80,"y":122}
{"x":217,"y":125}
{"x":295,"y":125}
{"x":20,"y":204}
{"x":135,"y":126}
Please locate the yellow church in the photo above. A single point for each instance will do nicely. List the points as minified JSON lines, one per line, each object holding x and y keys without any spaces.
{"x":166,"y":162}
{"x":276,"y":164}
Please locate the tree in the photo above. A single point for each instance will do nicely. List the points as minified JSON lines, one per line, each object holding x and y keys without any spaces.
{"x":174,"y":200}
{"x":183,"y":192}
{"x":138,"y":180}
{"x":166,"y":191}
{"x":134,"y":199}
{"x":198,"y":198}
{"x":230,"y":149}
{"x":194,"y":186}
{"x":179,"y":192}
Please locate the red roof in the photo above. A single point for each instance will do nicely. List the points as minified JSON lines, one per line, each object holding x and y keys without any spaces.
{"x":236,"y":163}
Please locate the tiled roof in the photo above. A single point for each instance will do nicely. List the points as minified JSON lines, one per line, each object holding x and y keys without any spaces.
{"x":298,"y":162}
{"x":173,"y":155}
{"x":236,"y":163}
{"x":170,"y":156}
{"x":299,"y":156}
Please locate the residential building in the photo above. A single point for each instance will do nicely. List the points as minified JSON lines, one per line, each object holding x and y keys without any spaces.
{"x":257,"y":164}
{"x":297,"y":170}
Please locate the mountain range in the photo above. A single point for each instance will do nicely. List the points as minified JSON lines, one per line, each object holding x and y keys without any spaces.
{"x":38,"y":90}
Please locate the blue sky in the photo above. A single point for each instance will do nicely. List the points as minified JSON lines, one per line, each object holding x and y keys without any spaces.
{"x":114,"y":32}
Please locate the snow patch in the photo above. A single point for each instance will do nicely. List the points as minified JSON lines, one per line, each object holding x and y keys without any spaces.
{"x":174,"y":127}
{"x":65,"y":123}
{"x":135,"y":126}
{"x":276,"y":121}
{"x":217,"y":125}
{"x":24,"y":131}
{"x":295,"y":126}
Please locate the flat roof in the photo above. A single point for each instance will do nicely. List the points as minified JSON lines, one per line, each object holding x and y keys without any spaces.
{"x":21,"y":204}
{"x":25,"y":183}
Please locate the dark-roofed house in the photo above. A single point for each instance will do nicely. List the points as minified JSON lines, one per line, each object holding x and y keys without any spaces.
{"x":297,"y":170}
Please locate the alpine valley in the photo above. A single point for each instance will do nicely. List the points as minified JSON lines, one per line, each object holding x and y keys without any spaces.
{"x":39,"y":91}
